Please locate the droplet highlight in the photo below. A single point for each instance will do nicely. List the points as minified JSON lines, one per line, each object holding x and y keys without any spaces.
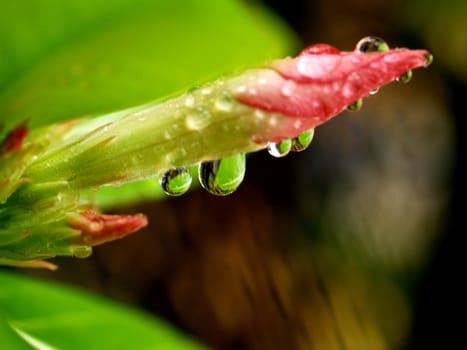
{"x":198,"y":118}
{"x":405,"y":77}
{"x":302,"y":141}
{"x":224,"y":102}
{"x":288,"y":88}
{"x":176,"y":181}
{"x":223,"y":176}
{"x":280,"y":149}
{"x":356,"y":106}
{"x":371,"y":44}
{"x":189,"y":100}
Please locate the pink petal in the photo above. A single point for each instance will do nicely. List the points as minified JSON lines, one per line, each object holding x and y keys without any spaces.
{"x":321,"y":82}
{"x":100,"y":228}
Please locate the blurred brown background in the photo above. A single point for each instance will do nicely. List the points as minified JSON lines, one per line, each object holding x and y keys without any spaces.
{"x":352,"y":244}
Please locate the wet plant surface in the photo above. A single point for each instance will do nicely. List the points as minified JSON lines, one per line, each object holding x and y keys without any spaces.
{"x":326,"y":248}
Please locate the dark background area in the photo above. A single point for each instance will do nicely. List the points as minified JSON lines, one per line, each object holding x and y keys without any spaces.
{"x":439,"y":297}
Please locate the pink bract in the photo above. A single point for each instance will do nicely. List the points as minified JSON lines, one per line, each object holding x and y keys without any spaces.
{"x":322,"y":81}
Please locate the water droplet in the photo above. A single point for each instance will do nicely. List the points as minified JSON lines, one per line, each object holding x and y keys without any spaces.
{"x":198,"y":118}
{"x":260,"y":114}
{"x":206,"y":90}
{"x":356,"y":106}
{"x":273,"y":120}
{"x":429,"y":59}
{"x":223,"y":176}
{"x":405,"y":77}
{"x":241,"y":89}
{"x":172,"y":131}
{"x":176,"y":181}
{"x":374,"y":91}
{"x":280,"y":149}
{"x":349,"y":89}
{"x":177,"y":155}
{"x":81,"y":251}
{"x":288,"y":88}
{"x":302,"y":141}
{"x":319,"y":49}
{"x":371,"y":44}
{"x":189,"y":100}
{"x":224,"y":102}
{"x":298,"y":124}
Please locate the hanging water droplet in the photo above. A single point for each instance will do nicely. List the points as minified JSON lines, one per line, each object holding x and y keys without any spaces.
{"x":223,"y":176}
{"x":302,"y":141}
{"x":429,"y":59}
{"x":356,"y":106}
{"x":405,"y":77}
{"x":374,"y":91}
{"x":280,"y":149}
{"x":371,"y":44}
{"x":198,"y":118}
{"x":81,"y":251}
{"x":176,"y":181}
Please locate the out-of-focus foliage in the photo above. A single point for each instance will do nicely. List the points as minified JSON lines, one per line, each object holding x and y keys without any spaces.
{"x":74,"y":58}
{"x":38,"y":315}
{"x":442,"y":25}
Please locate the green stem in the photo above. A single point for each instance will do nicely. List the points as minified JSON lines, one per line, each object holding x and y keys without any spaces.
{"x":203,"y":124}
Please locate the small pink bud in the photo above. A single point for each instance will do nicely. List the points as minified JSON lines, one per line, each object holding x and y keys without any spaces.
{"x":14,"y":140}
{"x":100,"y":228}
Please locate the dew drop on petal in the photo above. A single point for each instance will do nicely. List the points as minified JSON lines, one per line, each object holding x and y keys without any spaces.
{"x":302,"y":141}
{"x":405,"y":77}
{"x":223,"y":176}
{"x":198,"y":118}
{"x":288,"y":88}
{"x":319,"y":49}
{"x":356,"y":106}
{"x":371,"y":44}
{"x":374,"y":91}
{"x":349,"y":89}
{"x":176,"y":181}
{"x":280,"y":149}
{"x":241,"y":89}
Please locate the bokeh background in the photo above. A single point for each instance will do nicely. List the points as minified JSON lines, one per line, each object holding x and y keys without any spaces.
{"x":352,"y":244}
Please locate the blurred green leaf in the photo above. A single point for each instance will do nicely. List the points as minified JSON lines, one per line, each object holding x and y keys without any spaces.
{"x":37,"y":314}
{"x":67,"y":59}
{"x":442,"y":26}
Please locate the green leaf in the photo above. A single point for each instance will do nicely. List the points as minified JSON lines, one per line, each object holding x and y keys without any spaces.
{"x":69,"y":59}
{"x":40,"y":315}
